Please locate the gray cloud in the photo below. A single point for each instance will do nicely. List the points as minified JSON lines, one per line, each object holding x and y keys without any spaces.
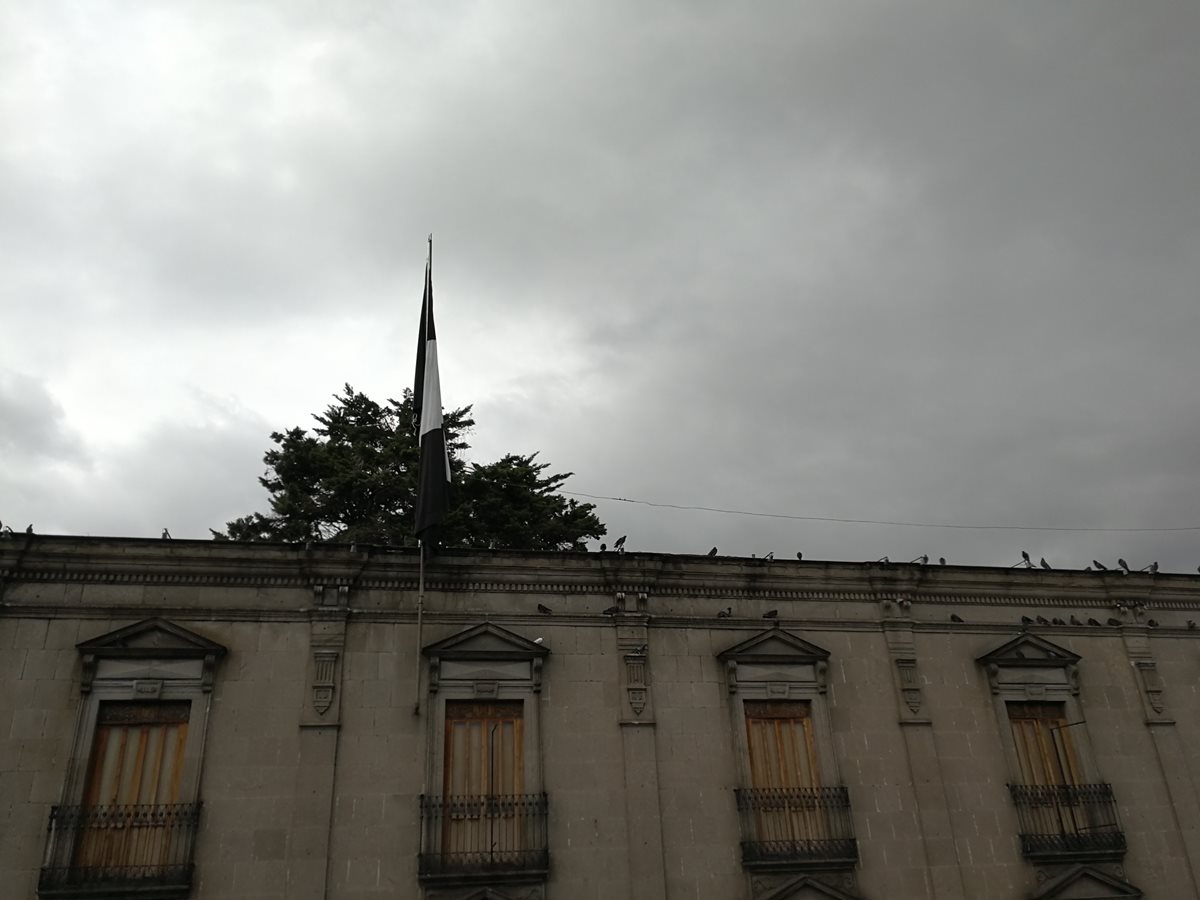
{"x":32,"y":423}
{"x":930,"y":263}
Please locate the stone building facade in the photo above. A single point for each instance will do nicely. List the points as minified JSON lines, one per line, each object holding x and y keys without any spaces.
{"x":219,"y":721}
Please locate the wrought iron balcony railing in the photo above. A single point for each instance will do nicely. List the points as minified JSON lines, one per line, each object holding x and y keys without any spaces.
{"x":143,"y":850}
{"x":498,"y":836}
{"x":796,"y":828}
{"x":1068,"y":821}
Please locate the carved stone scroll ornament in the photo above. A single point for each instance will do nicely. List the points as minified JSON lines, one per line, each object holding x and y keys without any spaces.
{"x":821,"y":667}
{"x":536,"y":674}
{"x":89,"y":673}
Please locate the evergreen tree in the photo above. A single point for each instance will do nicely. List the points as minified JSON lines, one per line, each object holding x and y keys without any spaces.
{"x":354,"y":479}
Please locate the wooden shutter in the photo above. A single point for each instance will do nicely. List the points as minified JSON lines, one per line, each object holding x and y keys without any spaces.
{"x":784,"y":773}
{"x":135,"y":770}
{"x":1045,"y":752}
{"x":486,"y":819}
{"x":484,"y":748}
{"x":780,"y":737}
{"x":137,"y":753}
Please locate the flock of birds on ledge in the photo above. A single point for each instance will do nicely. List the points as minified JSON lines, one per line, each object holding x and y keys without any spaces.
{"x":1026,"y":562}
{"x":1026,"y":621}
{"x":923,"y":559}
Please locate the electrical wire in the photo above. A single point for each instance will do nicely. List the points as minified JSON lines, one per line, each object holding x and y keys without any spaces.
{"x":844,"y":521}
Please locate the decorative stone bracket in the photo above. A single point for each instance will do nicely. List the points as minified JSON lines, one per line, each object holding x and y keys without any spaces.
{"x":327,"y":640}
{"x":637,"y":702}
{"x":636,"y":690}
{"x":324,"y":686}
{"x":1149,"y":679}
{"x":910,"y":688}
{"x":905,"y":675}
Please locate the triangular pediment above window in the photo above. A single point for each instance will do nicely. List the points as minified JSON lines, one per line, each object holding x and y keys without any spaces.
{"x":774,"y":646}
{"x":1087,"y":883}
{"x":807,"y":887}
{"x":486,"y":641}
{"x":1029,"y":650}
{"x":152,"y":638}
{"x":487,"y":893}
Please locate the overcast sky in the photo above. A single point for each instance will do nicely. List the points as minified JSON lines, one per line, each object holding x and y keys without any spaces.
{"x":893,"y":261}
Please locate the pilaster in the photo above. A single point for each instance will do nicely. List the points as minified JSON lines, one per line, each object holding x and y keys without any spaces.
{"x":1168,"y":747}
{"x":643,"y":807}
{"x":307,"y":851}
{"x":920,"y":747}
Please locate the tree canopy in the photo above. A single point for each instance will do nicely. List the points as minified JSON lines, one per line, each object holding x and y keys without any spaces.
{"x":354,"y":478}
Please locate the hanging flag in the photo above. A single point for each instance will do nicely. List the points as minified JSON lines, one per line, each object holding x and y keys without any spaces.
{"x":433,"y":485}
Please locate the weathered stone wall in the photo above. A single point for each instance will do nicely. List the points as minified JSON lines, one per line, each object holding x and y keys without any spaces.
{"x":301,"y":803}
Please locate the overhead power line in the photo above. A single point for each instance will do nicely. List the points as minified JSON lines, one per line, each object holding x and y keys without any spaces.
{"x":843,"y":521}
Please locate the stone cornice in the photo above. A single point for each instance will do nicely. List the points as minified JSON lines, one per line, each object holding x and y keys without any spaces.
{"x":151,"y":562}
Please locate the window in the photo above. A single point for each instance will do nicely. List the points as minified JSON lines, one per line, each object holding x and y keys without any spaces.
{"x":487,"y":820}
{"x":131,"y":825}
{"x":1064,"y":812}
{"x":128,"y":821}
{"x":794,"y":815}
{"x":488,"y":817}
{"x":1042,"y":737}
{"x":137,"y":753}
{"x":780,"y":738}
{"x":484,"y":746}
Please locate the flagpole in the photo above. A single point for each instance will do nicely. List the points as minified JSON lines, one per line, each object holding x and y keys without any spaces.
{"x":426,"y":518}
{"x":420,"y":610}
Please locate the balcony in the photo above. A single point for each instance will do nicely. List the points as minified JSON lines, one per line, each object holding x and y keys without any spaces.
{"x":142,"y":852}
{"x":1068,"y":822}
{"x":492,"y":838}
{"x":796,"y":829}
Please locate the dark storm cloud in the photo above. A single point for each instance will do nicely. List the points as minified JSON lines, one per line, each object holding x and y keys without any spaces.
{"x":932,"y":262}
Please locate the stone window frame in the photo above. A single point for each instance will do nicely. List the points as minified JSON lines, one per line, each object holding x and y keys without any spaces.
{"x":778,"y":665}
{"x":485,"y":662}
{"x":148,"y":661}
{"x":1030,"y":668}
